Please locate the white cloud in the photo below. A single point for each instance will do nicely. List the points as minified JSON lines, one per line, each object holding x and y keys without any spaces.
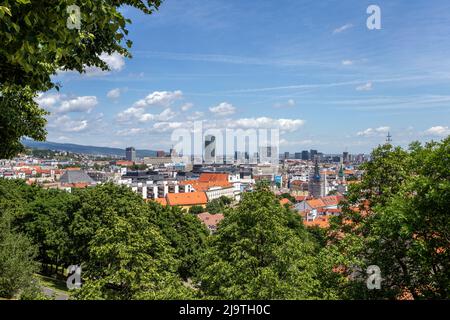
{"x":438,"y":131}
{"x":114,"y":93}
{"x":115,"y":61}
{"x":196,"y":115}
{"x":289,"y":103}
{"x":343,"y":28}
{"x":61,"y":104}
{"x":129,"y":114}
{"x":223,"y":109}
{"x":168,"y":126}
{"x":138,"y":114}
{"x":159,"y":98}
{"x":186,"y":106}
{"x":79,"y":104}
{"x":167,"y":114}
{"x":365,"y":87}
{"x":48,"y":101}
{"x":347,"y":62}
{"x":130,"y":132}
{"x":377,"y":132}
{"x":288,"y":125}
{"x":66,"y":124}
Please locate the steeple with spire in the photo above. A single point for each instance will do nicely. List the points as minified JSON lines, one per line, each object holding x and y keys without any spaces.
{"x":315,"y":187}
{"x":316,"y":176}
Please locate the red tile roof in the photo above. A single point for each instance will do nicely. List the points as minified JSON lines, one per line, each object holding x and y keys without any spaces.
{"x":213,"y":177}
{"x":285,"y":201}
{"x":331,"y":200}
{"x":315,"y":203}
{"x":205,"y":186}
{"x":186,"y":199}
{"x":321,"y":222}
{"x":301,"y":198}
{"x":124,"y":163}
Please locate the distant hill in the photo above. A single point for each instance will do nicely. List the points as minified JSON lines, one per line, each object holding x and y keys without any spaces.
{"x":76,"y":148}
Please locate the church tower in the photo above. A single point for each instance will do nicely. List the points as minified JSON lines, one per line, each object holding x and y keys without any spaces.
{"x":315,"y":183}
{"x":341,"y":174}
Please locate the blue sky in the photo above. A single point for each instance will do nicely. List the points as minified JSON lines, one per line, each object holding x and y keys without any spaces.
{"x":311,"y":68}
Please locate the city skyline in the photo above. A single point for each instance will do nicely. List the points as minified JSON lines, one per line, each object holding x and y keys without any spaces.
{"x":326,"y":81}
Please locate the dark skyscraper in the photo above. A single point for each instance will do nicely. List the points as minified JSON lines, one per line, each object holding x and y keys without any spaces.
{"x":130,"y":154}
{"x":210,"y":149}
{"x":345,"y":157}
{"x":305,"y":155}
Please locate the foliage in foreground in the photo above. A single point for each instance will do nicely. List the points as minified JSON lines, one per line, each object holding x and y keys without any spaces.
{"x":401,"y":224}
{"x":397,"y":218}
{"x":36,"y":44}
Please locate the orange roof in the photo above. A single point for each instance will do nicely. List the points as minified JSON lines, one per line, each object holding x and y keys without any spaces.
{"x":210,"y":220}
{"x":124,"y":163}
{"x":284,"y":201}
{"x":73,"y":169}
{"x":26,"y":170}
{"x":315,"y":203}
{"x":321,"y":222}
{"x":186,"y":199}
{"x":301,"y":198}
{"x":213,"y":177}
{"x":205,"y":186}
{"x":331,"y":200}
{"x":329,"y":210}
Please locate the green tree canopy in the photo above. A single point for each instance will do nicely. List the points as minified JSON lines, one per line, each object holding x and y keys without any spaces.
{"x":37,"y":43}
{"x":186,"y":234}
{"x":17,"y":253}
{"x":257,"y":255}
{"x":123,"y":253}
{"x":402,"y":224}
{"x":218,"y":205}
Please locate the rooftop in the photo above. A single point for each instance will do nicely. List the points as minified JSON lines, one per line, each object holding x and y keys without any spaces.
{"x":186,"y":199}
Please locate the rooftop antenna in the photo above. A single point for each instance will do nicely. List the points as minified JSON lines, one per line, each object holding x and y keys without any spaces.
{"x":389,"y":138}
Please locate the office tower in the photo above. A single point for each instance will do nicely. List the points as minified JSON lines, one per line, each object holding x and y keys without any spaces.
{"x":298,"y":155}
{"x":210,"y":149}
{"x":130,"y":154}
{"x":345,"y":157}
{"x":305,"y":155}
{"x":286,"y":155}
{"x":268,"y":154}
{"x":312,"y":155}
{"x":319,"y":156}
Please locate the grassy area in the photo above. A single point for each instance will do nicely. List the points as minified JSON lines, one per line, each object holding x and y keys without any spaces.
{"x":52,"y":283}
